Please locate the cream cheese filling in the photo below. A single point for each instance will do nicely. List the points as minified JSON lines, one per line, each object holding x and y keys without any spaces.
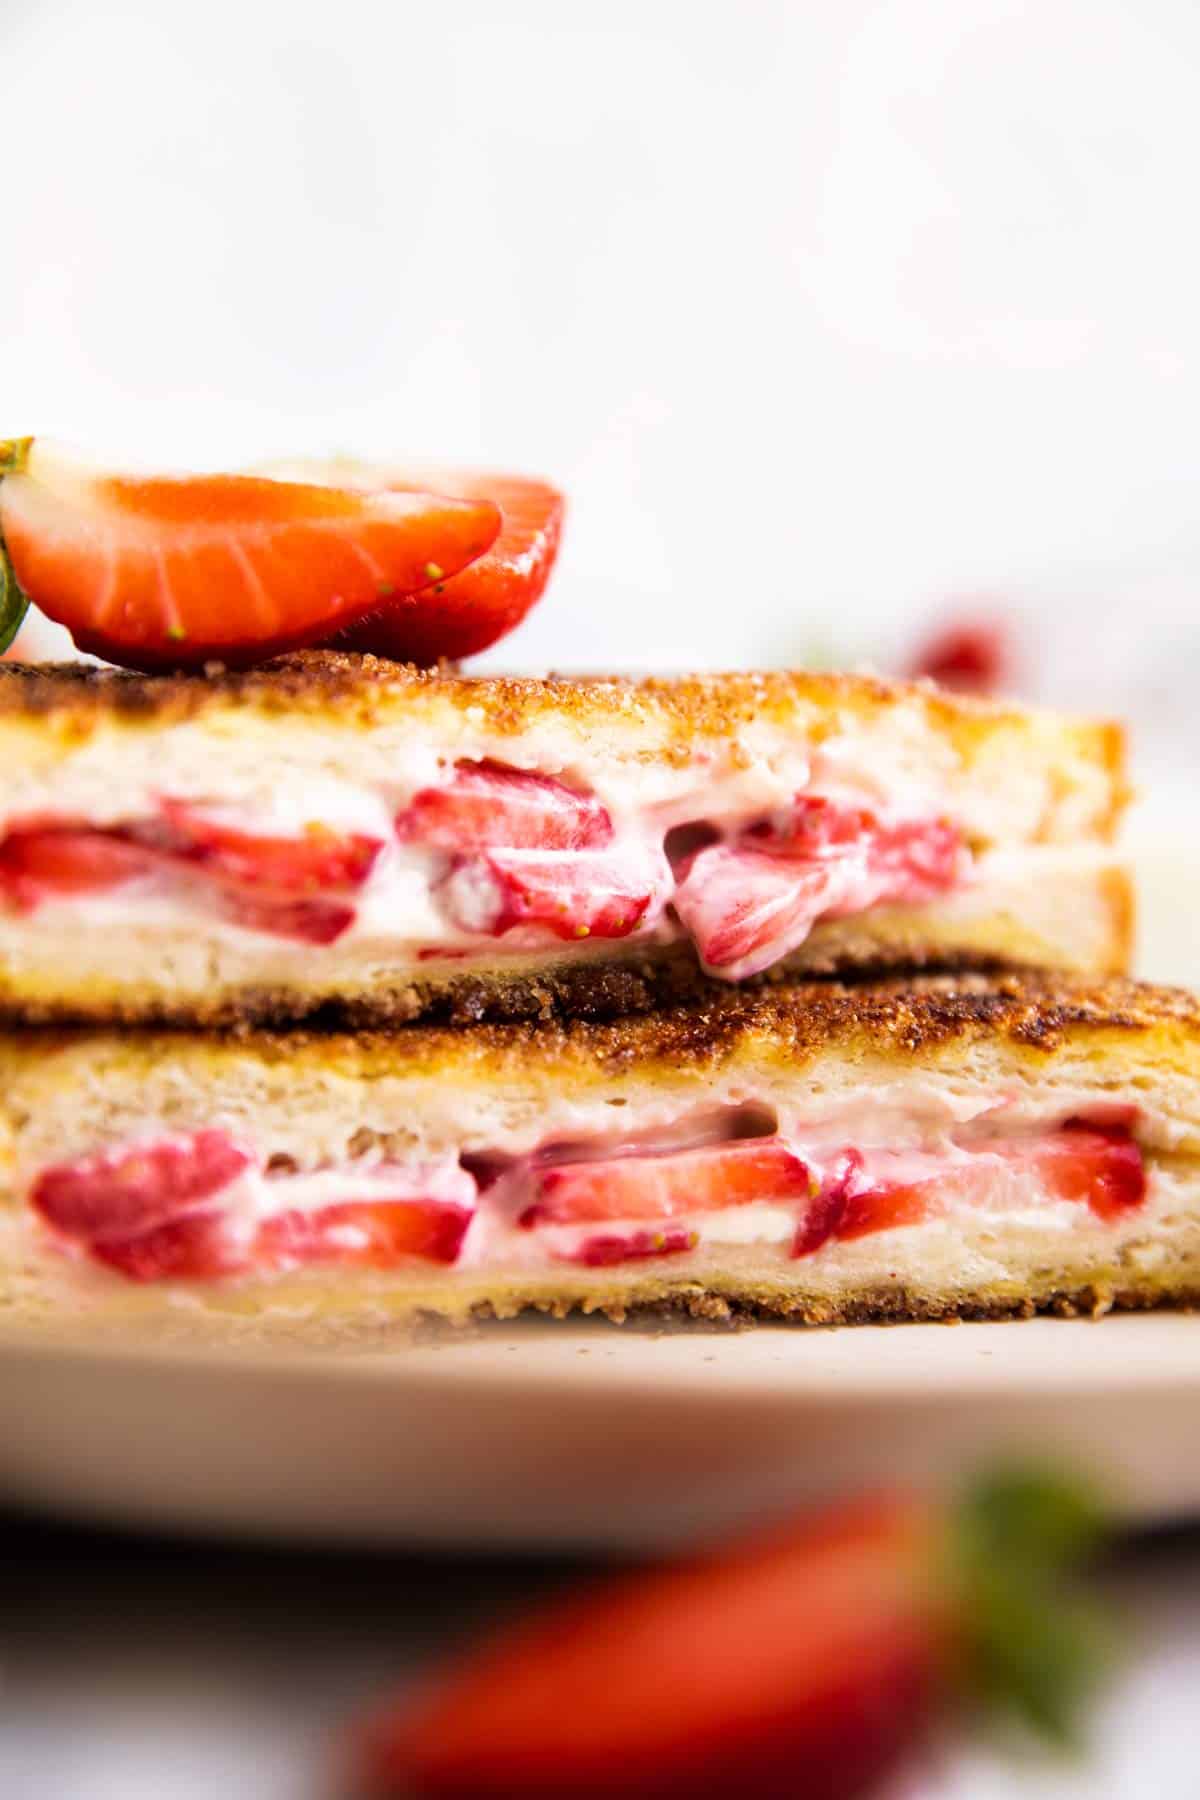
{"x":926,"y":1148}
{"x":398,"y":909}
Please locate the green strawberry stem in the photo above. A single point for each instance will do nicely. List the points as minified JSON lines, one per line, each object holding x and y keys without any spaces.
{"x":14,"y":602}
{"x":1033,"y":1648}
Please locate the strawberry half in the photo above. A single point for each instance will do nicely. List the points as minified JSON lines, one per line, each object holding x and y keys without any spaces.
{"x":467,"y":612}
{"x":805,"y":1663}
{"x":489,"y":806}
{"x":669,"y":1186}
{"x":160,"y":572}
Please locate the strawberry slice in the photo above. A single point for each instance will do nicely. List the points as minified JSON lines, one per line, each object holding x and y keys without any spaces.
{"x":251,"y":876}
{"x":607,"y":1248}
{"x":490,"y":806}
{"x":669,"y":1186}
{"x":199,"y":1246}
{"x":125,"y":1193}
{"x":803,"y":1664}
{"x":370,"y":1233}
{"x":573,"y":893}
{"x":747,"y":909}
{"x":149,"y":1211}
{"x":915,"y":860}
{"x":159,"y":572}
{"x":464,"y":613}
{"x":748,"y":904}
{"x":321,"y":859}
{"x":1099,"y":1165}
{"x":380,"y":1234}
{"x":850,"y":1205}
{"x":59,"y":861}
{"x":308,"y":920}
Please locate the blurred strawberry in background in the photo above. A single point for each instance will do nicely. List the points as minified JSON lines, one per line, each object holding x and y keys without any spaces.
{"x":809,"y":1661}
{"x":971,"y":652}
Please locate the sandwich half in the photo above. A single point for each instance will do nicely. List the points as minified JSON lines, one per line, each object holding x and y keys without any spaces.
{"x":335,"y":831}
{"x":819,"y":1152}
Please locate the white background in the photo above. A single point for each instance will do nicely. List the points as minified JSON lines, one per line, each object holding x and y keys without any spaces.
{"x":826,"y":313}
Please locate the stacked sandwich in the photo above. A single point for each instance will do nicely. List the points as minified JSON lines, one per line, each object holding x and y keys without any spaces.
{"x":339,"y":991}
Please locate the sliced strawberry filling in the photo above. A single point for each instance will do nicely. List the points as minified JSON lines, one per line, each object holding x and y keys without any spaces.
{"x":488,"y":806}
{"x":527,"y":850}
{"x":161,"y":1210}
{"x":377,"y":1233}
{"x":319,"y":860}
{"x":38,"y":864}
{"x":1099,"y":1167}
{"x":166,"y":1208}
{"x":670,"y":1187}
{"x":125,"y":1193}
{"x":608,"y":1248}
{"x":749,"y":902}
{"x":574,"y":894}
{"x":290,"y":887}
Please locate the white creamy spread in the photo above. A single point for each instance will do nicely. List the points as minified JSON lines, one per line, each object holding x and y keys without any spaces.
{"x":954,"y":1153}
{"x":398,"y":908}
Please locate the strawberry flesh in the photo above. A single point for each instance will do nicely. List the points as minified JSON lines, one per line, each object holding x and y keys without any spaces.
{"x":488,"y":806}
{"x":125,"y":1193}
{"x":198,"y":1246}
{"x":669,"y":1186}
{"x":850,"y":1205}
{"x":605,"y":1249}
{"x":150,"y":1212}
{"x":370,"y":1233}
{"x":748,"y":903}
{"x":572,"y":893}
{"x":464,"y":613}
{"x":1100,"y":1167}
{"x":273,"y":884}
{"x":745,"y":910}
{"x":309,"y":921}
{"x":171,"y":572}
{"x":319,"y":860}
{"x":1098,"y":1164}
{"x":39,"y":864}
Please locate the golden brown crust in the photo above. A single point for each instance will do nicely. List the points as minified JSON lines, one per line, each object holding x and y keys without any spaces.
{"x":795,"y":1021}
{"x":883,"y":1306}
{"x":140,"y":1314}
{"x":360,"y":690}
{"x":595,"y":991}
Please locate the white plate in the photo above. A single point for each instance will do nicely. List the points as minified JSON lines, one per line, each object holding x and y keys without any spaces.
{"x":585,"y":1434}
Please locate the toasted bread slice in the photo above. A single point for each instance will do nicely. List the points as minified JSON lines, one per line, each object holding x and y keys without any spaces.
{"x":820,"y":1152}
{"x":334,"y":831}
